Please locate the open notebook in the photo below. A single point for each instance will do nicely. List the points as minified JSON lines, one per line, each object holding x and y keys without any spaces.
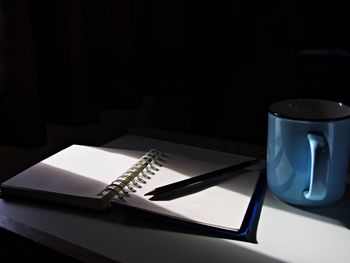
{"x":94,"y":177}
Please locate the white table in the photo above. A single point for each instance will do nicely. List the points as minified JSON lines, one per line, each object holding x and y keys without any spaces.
{"x":285,"y":233}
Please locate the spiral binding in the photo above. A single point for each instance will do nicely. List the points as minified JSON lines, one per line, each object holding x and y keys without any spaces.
{"x":146,"y":166}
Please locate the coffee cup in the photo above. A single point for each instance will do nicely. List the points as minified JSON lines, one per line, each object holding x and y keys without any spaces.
{"x":308,"y":151}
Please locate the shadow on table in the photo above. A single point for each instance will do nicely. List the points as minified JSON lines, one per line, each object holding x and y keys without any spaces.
{"x":339,"y":212}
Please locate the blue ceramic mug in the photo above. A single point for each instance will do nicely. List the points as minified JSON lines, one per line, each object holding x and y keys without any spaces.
{"x":308,"y":151}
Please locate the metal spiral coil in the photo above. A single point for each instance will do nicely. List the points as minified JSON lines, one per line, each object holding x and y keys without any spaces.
{"x":136,"y":175}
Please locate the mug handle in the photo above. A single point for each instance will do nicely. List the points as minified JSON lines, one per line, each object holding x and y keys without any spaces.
{"x":319,"y":168}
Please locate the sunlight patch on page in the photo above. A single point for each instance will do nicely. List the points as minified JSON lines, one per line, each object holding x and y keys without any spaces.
{"x":98,"y":164}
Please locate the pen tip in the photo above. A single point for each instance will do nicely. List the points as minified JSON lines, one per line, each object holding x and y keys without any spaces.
{"x":150,"y":193}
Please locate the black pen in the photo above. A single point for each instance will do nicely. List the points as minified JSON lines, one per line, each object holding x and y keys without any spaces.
{"x":202,"y":177}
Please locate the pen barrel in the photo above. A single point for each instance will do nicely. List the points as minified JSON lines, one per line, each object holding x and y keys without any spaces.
{"x":202,"y":177}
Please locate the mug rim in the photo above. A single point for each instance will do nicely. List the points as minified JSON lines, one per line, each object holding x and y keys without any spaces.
{"x":273,"y":109}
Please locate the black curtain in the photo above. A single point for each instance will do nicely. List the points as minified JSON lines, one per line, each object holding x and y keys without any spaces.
{"x":213,"y":67}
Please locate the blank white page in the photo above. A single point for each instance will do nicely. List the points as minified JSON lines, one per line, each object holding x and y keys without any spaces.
{"x":76,"y":171}
{"x":222,"y":205}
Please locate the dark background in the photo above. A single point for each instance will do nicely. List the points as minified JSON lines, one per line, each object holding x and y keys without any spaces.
{"x":202,"y":68}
